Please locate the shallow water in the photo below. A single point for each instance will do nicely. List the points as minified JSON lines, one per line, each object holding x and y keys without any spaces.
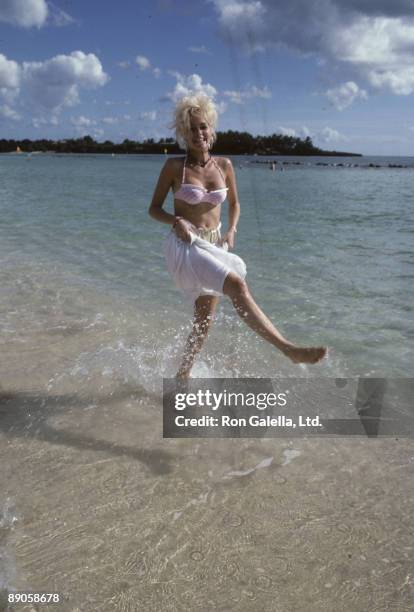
{"x":94,"y":503}
{"x":328,"y":252}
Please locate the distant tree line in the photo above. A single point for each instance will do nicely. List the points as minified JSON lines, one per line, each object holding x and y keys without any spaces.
{"x":229,"y":143}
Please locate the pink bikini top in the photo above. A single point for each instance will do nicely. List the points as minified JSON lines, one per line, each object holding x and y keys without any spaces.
{"x":195,"y":194}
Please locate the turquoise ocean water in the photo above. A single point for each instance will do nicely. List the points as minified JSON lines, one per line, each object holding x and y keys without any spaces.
{"x":329,"y":253}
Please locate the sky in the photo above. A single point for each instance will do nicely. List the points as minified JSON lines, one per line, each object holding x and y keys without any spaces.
{"x":339,"y":71}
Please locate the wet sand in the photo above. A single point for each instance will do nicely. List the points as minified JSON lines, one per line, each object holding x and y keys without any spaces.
{"x":105,"y":512}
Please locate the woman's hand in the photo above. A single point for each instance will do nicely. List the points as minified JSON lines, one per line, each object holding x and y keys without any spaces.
{"x":230,"y":237}
{"x":182,"y":229}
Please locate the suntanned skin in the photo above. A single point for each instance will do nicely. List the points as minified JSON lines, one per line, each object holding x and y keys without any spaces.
{"x":205,"y":215}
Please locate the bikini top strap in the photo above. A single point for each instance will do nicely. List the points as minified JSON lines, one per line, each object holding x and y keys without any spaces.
{"x":219,"y":169}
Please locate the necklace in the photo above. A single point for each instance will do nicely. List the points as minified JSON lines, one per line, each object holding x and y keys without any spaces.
{"x":198,"y":163}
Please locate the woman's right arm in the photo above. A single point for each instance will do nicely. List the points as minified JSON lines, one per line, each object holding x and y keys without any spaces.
{"x":164,"y":184}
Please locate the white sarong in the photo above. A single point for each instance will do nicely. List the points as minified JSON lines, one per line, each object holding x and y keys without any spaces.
{"x":200,"y":267}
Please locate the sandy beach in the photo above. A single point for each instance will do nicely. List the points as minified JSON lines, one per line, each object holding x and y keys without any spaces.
{"x":99,"y":508}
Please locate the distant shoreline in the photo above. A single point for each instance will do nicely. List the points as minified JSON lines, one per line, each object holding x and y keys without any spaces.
{"x":262,"y":155}
{"x":227,"y":143}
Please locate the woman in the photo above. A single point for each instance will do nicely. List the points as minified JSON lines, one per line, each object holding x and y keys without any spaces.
{"x":197,"y":256}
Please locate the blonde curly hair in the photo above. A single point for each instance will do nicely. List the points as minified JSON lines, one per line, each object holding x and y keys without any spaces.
{"x":198,"y":104}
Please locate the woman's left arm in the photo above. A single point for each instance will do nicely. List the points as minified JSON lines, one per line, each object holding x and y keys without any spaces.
{"x":234,"y":204}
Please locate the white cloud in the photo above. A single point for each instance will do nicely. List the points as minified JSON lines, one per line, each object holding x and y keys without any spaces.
{"x":110,"y":120}
{"x":127,"y":117}
{"x":98,"y":133}
{"x":175,"y":74}
{"x":344,"y":95}
{"x":400,"y":82}
{"x":24,"y":13}
{"x":84,"y":125}
{"x":190,"y":85}
{"x":8,"y":95}
{"x":325,"y":135}
{"x":143,"y":62}
{"x":9,"y":73}
{"x":82,"y":121}
{"x":285,"y":131}
{"x":256,"y":92}
{"x":8,"y":113}
{"x":124,"y":64}
{"x":201,"y":49}
{"x":238,"y":97}
{"x":329,"y":135}
{"x":383,"y":50}
{"x":56,"y":82}
{"x":374,"y":40}
{"x":221,"y":107}
{"x":148,"y":115}
{"x":239,"y":19}
{"x":38,"y":122}
{"x":234,"y":96}
{"x":304,"y":132}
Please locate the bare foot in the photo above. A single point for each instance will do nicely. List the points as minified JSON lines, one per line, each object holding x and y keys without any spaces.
{"x":312,"y":354}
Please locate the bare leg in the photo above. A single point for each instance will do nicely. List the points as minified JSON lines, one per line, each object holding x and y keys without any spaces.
{"x":204,"y":309}
{"x":249,"y":311}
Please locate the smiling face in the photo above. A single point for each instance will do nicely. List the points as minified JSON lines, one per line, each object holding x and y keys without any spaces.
{"x":200,"y":136}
